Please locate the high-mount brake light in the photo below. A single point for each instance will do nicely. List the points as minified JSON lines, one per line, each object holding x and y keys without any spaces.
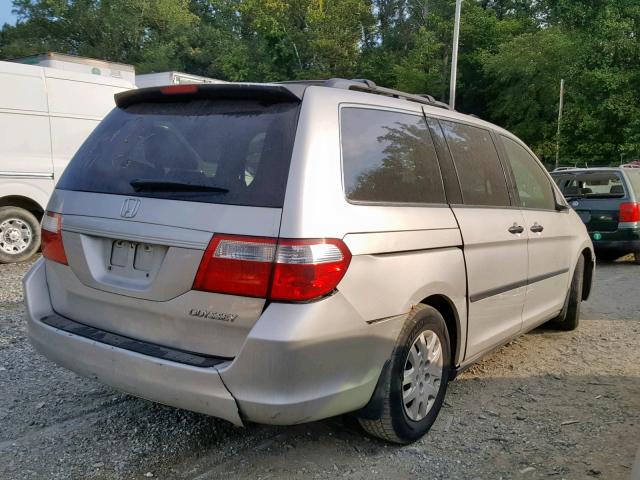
{"x":629,"y":212}
{"x":51,"y":237}
{"x":289,"y":270}
{"x":179,"y":89}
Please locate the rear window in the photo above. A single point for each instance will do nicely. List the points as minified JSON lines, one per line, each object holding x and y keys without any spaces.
{"x":592,"y":184}
{"x":389,"y":157}
{"x":216,"y":151}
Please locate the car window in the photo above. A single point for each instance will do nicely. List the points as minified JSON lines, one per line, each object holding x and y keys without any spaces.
{"x":237,"y":151}
{"x":593,"y":184}
{"x":558,"y":179}
{"x":482,"y":178}
{"x":532,"y":184}
{"x":634,"y":178}
{"x":389,"y":157}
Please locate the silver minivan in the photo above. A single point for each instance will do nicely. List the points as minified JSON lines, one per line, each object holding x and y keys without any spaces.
{"x":283,"y":253}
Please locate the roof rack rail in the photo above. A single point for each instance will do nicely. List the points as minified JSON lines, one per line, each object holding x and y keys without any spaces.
{"x":368,"y":86}
{"x":364,"y":85}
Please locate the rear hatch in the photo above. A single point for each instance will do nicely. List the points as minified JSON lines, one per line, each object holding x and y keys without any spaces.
{"x":596,"y":196}
{"x":142,"y":198}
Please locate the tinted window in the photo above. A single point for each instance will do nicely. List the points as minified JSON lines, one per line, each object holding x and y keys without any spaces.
{"x":533,"y":185}
{"x":389,"y":157}
{"x":481,"y":175}
{"x":593,"y":184}
{"x":233,"y":152}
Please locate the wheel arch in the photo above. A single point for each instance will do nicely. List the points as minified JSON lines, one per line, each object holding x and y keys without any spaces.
{"x":589,"y":266}
{"x":445,"y":306}
{"x":23,"y":202}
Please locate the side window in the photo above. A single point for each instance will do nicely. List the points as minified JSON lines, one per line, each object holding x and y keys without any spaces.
{"x":389,"y":157}
{"x":482,"y":178}
{"x":634,"y":178}
{"x":533,"y":185}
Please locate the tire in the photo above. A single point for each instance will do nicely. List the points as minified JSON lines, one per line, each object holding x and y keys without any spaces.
{"x":19,"y":235}
{"x":636,"y":255}
{"x":570,"y":316}
{"x":392,"y":421}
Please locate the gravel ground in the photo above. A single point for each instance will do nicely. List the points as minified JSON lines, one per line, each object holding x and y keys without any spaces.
{"x":548,"y":405}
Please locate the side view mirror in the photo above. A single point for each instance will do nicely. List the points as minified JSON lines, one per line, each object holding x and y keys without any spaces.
{"x":561,"y":206}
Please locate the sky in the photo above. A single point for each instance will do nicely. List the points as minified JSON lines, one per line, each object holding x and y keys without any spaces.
{"x":5,"y":13}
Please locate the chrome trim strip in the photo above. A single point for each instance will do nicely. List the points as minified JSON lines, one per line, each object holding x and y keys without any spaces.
{"x":132,"y":237}
{"x":512,"y":286}
{"x":628,"y":224}
{"x":26,"y":175}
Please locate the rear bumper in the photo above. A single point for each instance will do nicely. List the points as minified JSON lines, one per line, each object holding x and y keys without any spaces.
{"x":170,"y":383}
{"x":300,"y":363}
{"x":624,"y":240}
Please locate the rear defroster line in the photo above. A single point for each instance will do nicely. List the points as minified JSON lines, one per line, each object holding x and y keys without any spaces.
{"x":126,"y":343}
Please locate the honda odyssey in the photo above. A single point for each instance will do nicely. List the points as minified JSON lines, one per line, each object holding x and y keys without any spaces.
{"x":283,"y":253}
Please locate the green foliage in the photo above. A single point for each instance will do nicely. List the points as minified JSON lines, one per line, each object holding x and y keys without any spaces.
{"x":513,"y":53}
{"x":526,"y":73}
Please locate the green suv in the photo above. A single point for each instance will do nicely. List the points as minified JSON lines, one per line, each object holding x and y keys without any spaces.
{"x":608,"y":202}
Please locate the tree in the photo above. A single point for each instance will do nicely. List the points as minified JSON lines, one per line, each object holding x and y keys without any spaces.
{"x":149,"y":33}
{"x":525,"y":74}
{"x":512,"y":53}
{"x":307,"y":38}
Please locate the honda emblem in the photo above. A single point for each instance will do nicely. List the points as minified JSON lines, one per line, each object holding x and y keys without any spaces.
{"x":130,"y":208}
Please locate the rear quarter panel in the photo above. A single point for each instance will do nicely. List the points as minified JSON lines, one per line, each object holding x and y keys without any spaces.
{"x":401,"y":254}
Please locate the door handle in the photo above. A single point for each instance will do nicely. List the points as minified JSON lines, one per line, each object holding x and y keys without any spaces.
{"x":515,"y":228}
{"x":537,"y":228}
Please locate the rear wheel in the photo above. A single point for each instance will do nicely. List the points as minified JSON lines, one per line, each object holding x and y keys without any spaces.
{"x":637,"y":257}
{"x":415,"y":384}
{"x":19,"y":234}
{"x":570,"y":316}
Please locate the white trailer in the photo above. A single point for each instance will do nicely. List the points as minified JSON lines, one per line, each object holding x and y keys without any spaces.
{"x":171,"y":78}
{"x":45,"y":115}
{"x":73,"y":63}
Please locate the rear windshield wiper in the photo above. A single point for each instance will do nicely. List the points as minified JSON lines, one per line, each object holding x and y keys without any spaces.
{"x":171,"y":186}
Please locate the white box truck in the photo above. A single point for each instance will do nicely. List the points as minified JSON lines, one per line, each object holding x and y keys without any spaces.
{"x":45,"y":115}
{"x":171,"y":78}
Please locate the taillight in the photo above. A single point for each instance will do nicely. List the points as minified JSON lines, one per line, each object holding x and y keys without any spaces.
{"x":282,"y":270}
{"x":236,"y":265}
{"x":51,"y":236}
{"x":308,"y":269}
{"x":629,"y":212}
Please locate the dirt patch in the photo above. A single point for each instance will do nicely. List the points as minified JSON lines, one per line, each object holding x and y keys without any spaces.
{"x":548,"y":405}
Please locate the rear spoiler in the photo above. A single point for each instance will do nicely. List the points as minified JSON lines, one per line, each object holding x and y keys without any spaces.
{"x":240,"y":91}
